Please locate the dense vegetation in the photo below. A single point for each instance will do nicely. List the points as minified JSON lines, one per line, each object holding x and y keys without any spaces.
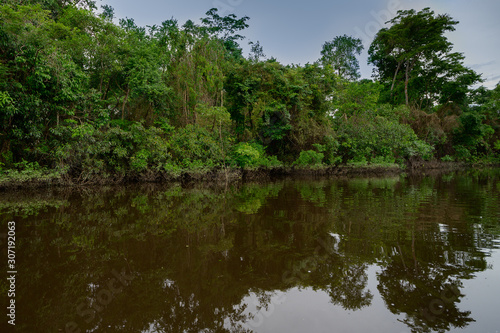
{"x":89,"y":99}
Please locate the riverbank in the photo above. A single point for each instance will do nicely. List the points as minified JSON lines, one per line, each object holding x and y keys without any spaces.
{"x":45,"y":178}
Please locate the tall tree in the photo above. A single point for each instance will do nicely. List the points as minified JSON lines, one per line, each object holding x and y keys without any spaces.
{"x":415,"y":46}
{"x":226,"y":28}
{"x":39,"y":82}
{"x":56,"y":7}
{"x":341,"y":53}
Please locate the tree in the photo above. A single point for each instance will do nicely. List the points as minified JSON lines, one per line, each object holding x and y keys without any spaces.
{"x":487,"y":103}
{"x":56,"y":7}
{"x":415,"y":50}
{"x":256,"y":51}
{"x":341,"y":53}
{"x":225,"y":28}
{"x":39,"y":82}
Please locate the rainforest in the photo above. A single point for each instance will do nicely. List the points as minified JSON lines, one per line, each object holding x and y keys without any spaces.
{"x":88,"y":98}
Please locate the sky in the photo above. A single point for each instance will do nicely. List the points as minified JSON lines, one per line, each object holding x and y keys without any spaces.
{"x":294,"y":31}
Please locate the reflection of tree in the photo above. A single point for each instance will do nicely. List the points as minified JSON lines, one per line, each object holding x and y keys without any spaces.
{"x":349,"y":288}
{"x":426,"y":292}
{"x":343,"y":278}
{"x":167,"y":308}
{"x":197,"y":254}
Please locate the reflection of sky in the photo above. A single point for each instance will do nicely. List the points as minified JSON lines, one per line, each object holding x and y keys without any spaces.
{"x":481,"y":297}
{"x":306,"y":310}
{"x":294,"y":31}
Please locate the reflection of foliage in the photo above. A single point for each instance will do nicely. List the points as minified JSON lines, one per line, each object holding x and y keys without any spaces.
{"x":313,"y":193}
{"x":252,"y":197}
{"x":427,"y":296}
{"x":31,"y":207}
{"x":348,"y":289}
{"x":196,"y":254}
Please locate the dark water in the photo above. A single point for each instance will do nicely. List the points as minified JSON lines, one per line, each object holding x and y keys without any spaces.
{"x":363,"y":255}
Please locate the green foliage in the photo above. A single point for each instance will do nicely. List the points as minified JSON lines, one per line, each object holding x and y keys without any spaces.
{"x":340,"y":53}
{"x":463,"y":153}
{"x":393,"y":113}
{"x":471,"y":138}
{"x":414,"y":62}
{"x":97,"y":99}
{"x":25,"y":172}
{"x":309,"y":158}
{"x":447,"y":158}
{"x":164,"y":124}
{"x":252,"y":154}
{"x":195,"y":147}
{"x":330,"y":149}
{"x":224,"y":27}
{"x":39,"y":82}
{"x":139,"y":161}
{"x":246,"y":155}
{"x":284,"y":107}
{"x":355,"y":98}
{"x":91,"y":152}
{"x":5,"y":99}
{"x":378,"y":139}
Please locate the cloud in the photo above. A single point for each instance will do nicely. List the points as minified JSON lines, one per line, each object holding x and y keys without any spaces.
{"x":494,"y":78}
{"x":490,"y":82}
{"x":484,"y":64}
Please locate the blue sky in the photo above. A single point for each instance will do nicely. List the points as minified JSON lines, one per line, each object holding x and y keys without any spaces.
{"x":294,"y":31}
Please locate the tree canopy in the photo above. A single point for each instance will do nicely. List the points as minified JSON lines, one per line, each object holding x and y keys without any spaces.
{"x":96,"y":99}
{"x":340,"y":53}
{"x":414,"y":55}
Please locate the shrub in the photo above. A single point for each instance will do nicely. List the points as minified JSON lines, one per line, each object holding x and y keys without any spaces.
{"x":309,"y":158}
{"x":462,"y":153}
{"x":122,"y":149}
{"x":194,"y":146}
{"x":252,"y":155}
{"x":496,"y":145}
{"x":375,"y":139}
{"x":330,"y":149}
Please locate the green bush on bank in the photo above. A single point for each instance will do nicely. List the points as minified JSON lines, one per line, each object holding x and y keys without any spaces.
{"x":376,"y":140}
{"x":194,"y":147}
{"x":128,"y":149}
{"x":252,"y":154}
{"x":309,"y":158}
{"x":24,"y":172}
{"x":131,"y":148}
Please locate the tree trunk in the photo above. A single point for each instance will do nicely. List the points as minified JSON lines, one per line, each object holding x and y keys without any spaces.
{"x":409,"y":68}
{"x":185,"y":107}
{"x":407,"y":79}
{"x":125,"y":102}
{"x":395,"y":75}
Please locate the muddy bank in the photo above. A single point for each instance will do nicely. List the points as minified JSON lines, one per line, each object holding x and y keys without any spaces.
{"x":231,"y":175}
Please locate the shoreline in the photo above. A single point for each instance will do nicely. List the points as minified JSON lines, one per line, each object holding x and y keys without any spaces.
{"x":234,"y":175}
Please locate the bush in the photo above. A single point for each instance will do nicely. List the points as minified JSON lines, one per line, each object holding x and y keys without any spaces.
{"x":195,"y":147}
{"x":123,"y":149}
{"x":245,"y":155}
{"x":309,"y":158}
{"x":25,"y":171}
{"x":462,"y":153}
{"x":330,"y":149}
{"x":252,"y":155}
{"x":375,"y":139}
{"x":383,"y":160}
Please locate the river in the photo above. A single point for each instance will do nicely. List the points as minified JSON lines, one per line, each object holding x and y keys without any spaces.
{"x":400,"y":254}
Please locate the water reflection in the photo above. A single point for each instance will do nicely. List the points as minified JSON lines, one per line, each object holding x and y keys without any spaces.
{"x":170,"y":259}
